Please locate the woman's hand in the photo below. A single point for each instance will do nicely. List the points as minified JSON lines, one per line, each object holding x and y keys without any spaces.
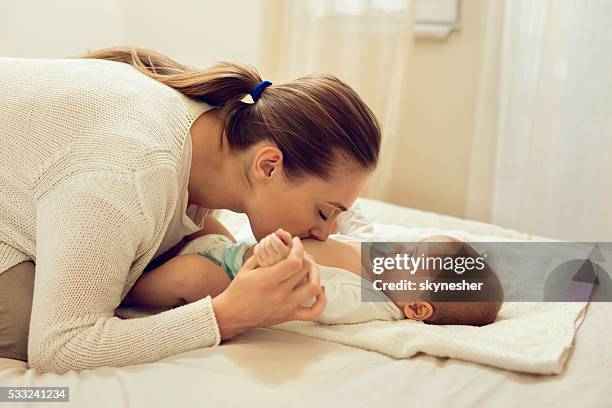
{"x":259,"y":297}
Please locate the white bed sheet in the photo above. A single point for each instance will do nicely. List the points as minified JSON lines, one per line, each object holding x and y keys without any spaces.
{"x":265,"y":366}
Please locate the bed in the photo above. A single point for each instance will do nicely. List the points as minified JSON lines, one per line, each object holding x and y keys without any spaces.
{"x":267,"y":366}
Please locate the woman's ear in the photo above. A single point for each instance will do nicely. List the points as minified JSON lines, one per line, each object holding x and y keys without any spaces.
{"x":418,"y":310}
{"x":268,"y":162}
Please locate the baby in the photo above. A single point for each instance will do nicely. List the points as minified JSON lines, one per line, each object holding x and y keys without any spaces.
{"x":206,"y":265}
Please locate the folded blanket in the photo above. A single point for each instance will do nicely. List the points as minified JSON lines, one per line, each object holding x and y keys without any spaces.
{"x":527,"y":337}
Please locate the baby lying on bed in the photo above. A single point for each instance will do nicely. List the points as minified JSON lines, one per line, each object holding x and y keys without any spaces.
{"x":206,"y":265}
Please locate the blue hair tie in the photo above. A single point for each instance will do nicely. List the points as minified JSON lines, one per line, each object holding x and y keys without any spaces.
{"x":256,"y":91}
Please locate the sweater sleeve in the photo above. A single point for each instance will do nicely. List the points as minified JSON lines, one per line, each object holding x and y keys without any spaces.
{"x":90,"y":229}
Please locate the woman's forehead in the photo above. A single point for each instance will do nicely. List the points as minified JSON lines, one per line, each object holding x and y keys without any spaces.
{"x":339,"y":194}
{"x":341,"y":181}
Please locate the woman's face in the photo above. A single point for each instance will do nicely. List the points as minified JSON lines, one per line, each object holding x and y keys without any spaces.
{"x":308,"y":208}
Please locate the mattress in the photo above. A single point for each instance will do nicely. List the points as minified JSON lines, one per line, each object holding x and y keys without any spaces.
{"x":266,"y":366}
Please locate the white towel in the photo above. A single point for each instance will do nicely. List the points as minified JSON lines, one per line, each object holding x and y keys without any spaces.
{"x":532,"y":337}
{"x":528,"y":337}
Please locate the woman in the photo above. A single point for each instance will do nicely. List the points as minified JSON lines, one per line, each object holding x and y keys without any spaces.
{"x":109,"y":165}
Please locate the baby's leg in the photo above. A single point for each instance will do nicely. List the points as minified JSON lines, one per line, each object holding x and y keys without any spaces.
{"x":182,"y":279}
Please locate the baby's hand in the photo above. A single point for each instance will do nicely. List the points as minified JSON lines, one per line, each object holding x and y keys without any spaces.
{"x":273,"y":248}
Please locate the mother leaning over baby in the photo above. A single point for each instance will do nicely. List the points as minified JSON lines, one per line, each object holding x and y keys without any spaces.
{"x":110,"y":162}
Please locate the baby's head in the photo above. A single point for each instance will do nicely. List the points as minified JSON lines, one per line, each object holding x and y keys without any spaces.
{"x":428,"y":306}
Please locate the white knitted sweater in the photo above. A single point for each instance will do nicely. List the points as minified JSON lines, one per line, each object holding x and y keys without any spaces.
{"x":89,"y":181}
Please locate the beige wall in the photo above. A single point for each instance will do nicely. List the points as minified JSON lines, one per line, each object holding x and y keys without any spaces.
{"x":437,"y":127}
{"x":47,"y":29}
{"x":193,"y":32}
{"x":199,"y":33}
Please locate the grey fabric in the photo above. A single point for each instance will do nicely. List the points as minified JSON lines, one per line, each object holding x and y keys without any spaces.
{"x":16,"y":289}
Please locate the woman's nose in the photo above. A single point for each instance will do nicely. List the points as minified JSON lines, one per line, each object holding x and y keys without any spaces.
{"x":317,"y":233}
{"x":323,"y":233}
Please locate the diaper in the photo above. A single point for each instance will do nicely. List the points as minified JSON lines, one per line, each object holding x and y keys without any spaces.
{"x":220,"y":250}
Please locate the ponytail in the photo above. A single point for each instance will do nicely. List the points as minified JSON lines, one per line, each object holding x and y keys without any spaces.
{"x":317,"y":121}
{"x":216,"y":86}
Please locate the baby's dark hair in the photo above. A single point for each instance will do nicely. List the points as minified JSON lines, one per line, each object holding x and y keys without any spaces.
{"x":464,"y":313}
{"x":474,"y":309}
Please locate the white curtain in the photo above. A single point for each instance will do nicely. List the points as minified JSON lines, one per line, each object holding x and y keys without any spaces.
{"x":552,"y":122}
{"x":366,"y":43}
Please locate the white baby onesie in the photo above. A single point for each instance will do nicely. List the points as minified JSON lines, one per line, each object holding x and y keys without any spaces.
{"x":351,"y":299}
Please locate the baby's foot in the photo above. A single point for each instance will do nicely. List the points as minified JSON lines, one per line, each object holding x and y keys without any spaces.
{"x":273,"y":248}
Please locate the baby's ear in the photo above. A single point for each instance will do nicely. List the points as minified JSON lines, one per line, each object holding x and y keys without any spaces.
{"x":418,"y":310}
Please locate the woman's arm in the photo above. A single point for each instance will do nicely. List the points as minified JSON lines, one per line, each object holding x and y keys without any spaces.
{"x":90,"y":230}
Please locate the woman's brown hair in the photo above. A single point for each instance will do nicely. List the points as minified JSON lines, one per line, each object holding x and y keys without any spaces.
{"x":317,"y":121}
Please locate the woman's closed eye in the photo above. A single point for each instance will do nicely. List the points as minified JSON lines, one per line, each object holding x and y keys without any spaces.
{"x":323,"y":217}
